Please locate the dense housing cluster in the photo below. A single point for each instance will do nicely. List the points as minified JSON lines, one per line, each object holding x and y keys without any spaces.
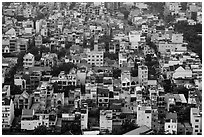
{"x":101,"y":68}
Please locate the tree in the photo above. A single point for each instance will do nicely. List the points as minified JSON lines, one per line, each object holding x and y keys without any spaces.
{"x":61,"y":53}
{"x":63,"y":67}
{"x":127,"y":126}
{"x":20,"y":59}
{"x":184,"y":6}
{"x":72,"y":5}
{"x":134,"y":72}
{"x":167,"y":86}
{"x":76,"y":128}
{"x":40,"y":130}
{"x":116,"y":73}
{"x":111,"y":56}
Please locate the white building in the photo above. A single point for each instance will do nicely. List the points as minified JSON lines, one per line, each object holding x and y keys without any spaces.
{"x":196,"y":121}
{"x":177,"y":38}
{"x":144,"y":116}
{"x":180,"y":72}
{"x":170,"y":125}
{"x":19,"y":81}
{"x":106,"y":120}
{"x":29,"y":121}
{"x":122,"y":59}
{"x":28,"y":60}
{"x":134,"y":38}
{"x":84,"y":117}
{"x":95,"y":58}
{"x":7,"y":113}
{"x":126,"y":80}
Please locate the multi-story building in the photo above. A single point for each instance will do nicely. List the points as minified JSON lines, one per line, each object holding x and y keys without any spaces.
{"x":177,"y":38}
{"x":171,"y":123}
{"x":95,"y":58}
{"x":196,"y":121}
{"x":122,"y":59}
{"x":5,"y":46}
{"x":103,"y":97}
{"x":13,"y":43}
{"x":22,"y":45}
{"x":28,"y":60}
{"x":126,"y":79}
{"x":161,"y":108}
{"x":106,"y":120}
{"x":134,"y":38}
{"x":57,"y":99}
{"x":38,"y":41}
{"x":7,"y":113}
{"x":84,"y":116}
{"x":173,"y":7}
{"x":143,"y":75}
{"x":31,"y":119}
{"x":144,"y":116}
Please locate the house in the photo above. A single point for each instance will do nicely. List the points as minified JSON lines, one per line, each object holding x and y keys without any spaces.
{"x":181,"y":129}
{"x":30,"y":119}
{"x":116,"y":107}
{"x":155,"y":119}
{"x":122,"y":59}
{"x":48,"y":60}
{"x":171,"y":123}
{"x":196,"y":121}
{"x":57,"y":99}
{"x":106,"y":120}
{"x":28,"y":11}
{"x":180,"y":72}
{"x":126,"y":79}
{"x":152,"y":83}
{"x":6,"y":91}
{"x":139,"y":97}
{"x":165,"y":47}
{"x":27,"y":120}
{"x":103,"y":97}
{"x":28,"y":60}
{"x":5,"y":46}
{"x":173,"y":7}
{"x":177,"y":38}
{"x":23,"y":101}
{"x":73,"y":58}
{"x":11,"y":32}
{"x":130,"y":62}
{"x":188,"y":128}
{"x":81,"y":72}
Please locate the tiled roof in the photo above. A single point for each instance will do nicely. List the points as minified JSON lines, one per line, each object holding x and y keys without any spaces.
{"x":27,"y":112}
{"x":138,"y":131}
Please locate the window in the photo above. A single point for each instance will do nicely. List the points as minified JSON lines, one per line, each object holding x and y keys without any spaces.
{"x":197,"y":120}
{"x":168,"y":126}
{"x":196,"y":130}
{"x":196,"y":126}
